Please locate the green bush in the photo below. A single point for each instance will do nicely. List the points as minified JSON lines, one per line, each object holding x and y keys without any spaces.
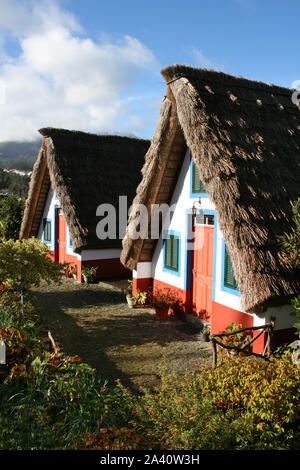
{"x":49,"y":400}
{"x":117,"y":439}
{"x":291,"y":244}
{"x":24,"y":263}
{"x":243,"y":404}
{"x":11,"y":212}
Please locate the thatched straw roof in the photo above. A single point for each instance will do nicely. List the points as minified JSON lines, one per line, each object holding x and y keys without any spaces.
{"x":245,"y":139}
{"x":85,"y":170}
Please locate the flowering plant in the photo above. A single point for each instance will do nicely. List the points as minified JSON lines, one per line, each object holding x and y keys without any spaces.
{"x":162,"y":299}
{"x":89,"y":272}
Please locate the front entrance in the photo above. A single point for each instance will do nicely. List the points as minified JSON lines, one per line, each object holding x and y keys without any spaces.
{"x":202,"y":268}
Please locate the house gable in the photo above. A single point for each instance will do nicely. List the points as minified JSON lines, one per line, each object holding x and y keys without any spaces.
{"x":85,"y":170}
{"x":245,"y":140}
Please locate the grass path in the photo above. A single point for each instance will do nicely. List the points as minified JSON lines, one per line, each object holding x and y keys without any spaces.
{"x":95,"y":322}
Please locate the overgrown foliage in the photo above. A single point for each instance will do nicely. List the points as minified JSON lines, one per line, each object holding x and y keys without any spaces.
{"x":17,"y":184}
{"x":24,"y":263}
{"x":11,"y":212}
{"x":48,"y":400}
{"x":291,"y":243}
{"x":51,"y":401}
{"x":245,"y":404}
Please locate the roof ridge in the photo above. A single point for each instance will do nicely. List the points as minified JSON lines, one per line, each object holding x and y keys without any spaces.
{"x":192,"y":72}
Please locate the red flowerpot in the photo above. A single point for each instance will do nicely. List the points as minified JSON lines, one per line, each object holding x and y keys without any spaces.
{"x":162,"y":313}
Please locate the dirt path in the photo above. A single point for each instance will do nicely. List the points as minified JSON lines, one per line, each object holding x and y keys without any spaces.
{"x":95,"y":322}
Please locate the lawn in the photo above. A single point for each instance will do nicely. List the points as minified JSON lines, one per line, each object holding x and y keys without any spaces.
{"x":95,"y":322}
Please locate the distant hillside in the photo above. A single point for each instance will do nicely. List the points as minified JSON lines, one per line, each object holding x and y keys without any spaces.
{"x":14,"y":150}
{"x":20,"y":155}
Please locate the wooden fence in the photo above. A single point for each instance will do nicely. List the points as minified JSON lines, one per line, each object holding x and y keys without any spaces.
{"x":267,"y":328}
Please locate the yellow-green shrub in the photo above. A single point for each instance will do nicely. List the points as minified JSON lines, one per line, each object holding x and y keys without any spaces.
{"x":242,"y":404}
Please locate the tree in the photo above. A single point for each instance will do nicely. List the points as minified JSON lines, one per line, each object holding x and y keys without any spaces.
{"x":291,"y":243}
{"x":4,"y":180}
{"x":11,"y":213}
{"x":25,"y":263}
{"x":19,"y":184}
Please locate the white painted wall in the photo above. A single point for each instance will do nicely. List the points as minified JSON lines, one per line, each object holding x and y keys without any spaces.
{"x":49,"y":213}
{"x":184,"y":202}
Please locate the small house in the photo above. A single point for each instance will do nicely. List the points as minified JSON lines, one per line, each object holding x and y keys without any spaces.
{"x":225,"y":158}
{"x":75,"y":173}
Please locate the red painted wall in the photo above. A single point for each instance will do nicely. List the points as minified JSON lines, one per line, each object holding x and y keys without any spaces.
{"x":184,"y":297}
{"x":108,"y":268}
{"x":222,"y":316}
{"x":142,"y":285}
{"x":284,"y":336}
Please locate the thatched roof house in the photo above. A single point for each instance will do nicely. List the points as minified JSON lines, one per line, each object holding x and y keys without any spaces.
{"x":84,"y":170}
{"x":244,"y":137}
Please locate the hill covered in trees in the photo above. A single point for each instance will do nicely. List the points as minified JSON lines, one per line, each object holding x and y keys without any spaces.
{"x":19,"y":155}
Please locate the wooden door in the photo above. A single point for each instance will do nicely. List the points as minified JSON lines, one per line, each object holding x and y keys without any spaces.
{"x":203,"y":258}
{"x":61,"y":239}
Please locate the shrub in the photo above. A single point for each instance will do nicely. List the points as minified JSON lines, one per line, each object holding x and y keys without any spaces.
{"x":245,"y":404}
{"x":25,"y":263}
{"x":49,"y":400}
{"x":11,"y":212}
{"x":291,"y":244}
{"x":118,"y":439}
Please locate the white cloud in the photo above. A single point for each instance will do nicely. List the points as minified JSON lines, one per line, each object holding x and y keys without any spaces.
{"x":203,"y":61}
{"x":296,"y":84}
{"x":61,"y":78}
{"x":24,"y":17}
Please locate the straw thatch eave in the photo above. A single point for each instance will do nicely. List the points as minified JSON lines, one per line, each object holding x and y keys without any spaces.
{"x":85,"y":170}
{"x":160,"y":171}
{"x":37,"y":195}
{"x":245,"y":139}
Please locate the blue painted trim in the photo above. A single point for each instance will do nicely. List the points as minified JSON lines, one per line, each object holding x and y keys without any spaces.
{"x":188,"y":277}
{"x":167,"y":270}
{"x":223,"y":287}
{"x":194,"y":195}
{"x":215,"y":256}
{"x":68,"y":237}
{"x":45,"y":220}
{"x":56,"y":228}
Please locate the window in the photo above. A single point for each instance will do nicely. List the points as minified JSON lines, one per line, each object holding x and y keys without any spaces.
{"x":229,"y":279}
{"x":197,"y":185}
{"x":47,"y":230}
{"x":171,"y":255}
{"x":204,"y":219}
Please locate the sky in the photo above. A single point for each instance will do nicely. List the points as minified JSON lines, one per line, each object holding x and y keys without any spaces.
{"x":94,"y":65}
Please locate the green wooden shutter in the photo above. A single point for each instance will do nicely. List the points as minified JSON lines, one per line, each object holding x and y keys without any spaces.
{"x":229,"y":279}
{"x":47,"y":231}
{"x":168,"y":253}
{"x":197,"y":185}
{"x":175,"y":253}
{"x":172,"y":252}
